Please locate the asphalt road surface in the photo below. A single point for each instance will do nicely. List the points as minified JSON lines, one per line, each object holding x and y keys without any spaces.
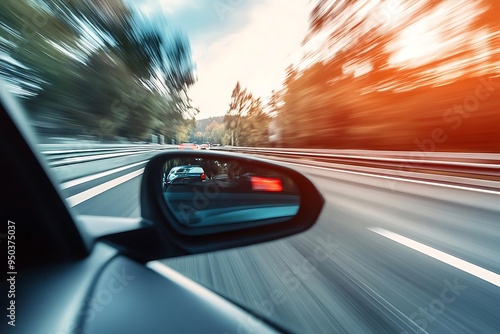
{"x":385,"y":256}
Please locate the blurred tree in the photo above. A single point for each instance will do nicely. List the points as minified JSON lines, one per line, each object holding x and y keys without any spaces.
{"x":211,"y":130}
{"x":246,"y":121}
{"x":238,"y":108}
{"x":257,"y":125}
{"x":385,"y":75}
{"x":89,"y":66}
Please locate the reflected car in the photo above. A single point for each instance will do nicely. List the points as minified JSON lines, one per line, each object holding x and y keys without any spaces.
{"x":171,"y":175}
{"x":185,"y":174}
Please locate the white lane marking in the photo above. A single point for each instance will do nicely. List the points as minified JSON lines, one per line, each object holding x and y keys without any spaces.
{"x":493,"y":192}
{"x":451,"y":260}
{"x":76,"y":182}
{"x":92,"y":192}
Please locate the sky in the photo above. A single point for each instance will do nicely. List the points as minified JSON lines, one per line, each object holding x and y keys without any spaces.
{"x":250,"y":41}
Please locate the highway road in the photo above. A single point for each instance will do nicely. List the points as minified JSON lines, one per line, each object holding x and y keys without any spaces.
{"x":386,"y":256}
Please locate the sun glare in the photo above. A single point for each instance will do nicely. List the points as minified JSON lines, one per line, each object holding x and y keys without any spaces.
{"x":446,"y":42}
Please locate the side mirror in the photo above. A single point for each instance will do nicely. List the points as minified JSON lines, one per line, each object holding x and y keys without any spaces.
{"x":204,"y":201}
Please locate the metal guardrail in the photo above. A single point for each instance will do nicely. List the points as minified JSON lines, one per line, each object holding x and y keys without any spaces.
{"x":72,"y":154}
{"x":478,"y":165}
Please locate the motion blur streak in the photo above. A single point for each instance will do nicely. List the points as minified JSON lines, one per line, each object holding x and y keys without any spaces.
{"x":398,"y":75}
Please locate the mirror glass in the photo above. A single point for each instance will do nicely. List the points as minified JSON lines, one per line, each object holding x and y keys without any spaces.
{"x":203,"y":192}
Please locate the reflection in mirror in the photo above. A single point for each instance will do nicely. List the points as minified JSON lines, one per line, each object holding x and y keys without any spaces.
{"x":203,"y":192}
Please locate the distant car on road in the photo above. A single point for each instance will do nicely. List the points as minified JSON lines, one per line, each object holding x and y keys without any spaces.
{"x":204,"y":147}
{"x":187,"y":146}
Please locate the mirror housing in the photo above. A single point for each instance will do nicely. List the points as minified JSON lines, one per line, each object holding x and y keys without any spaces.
{"x":182,"y":239}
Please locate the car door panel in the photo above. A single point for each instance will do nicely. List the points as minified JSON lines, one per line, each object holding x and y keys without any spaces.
{"x":132,"y":298}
